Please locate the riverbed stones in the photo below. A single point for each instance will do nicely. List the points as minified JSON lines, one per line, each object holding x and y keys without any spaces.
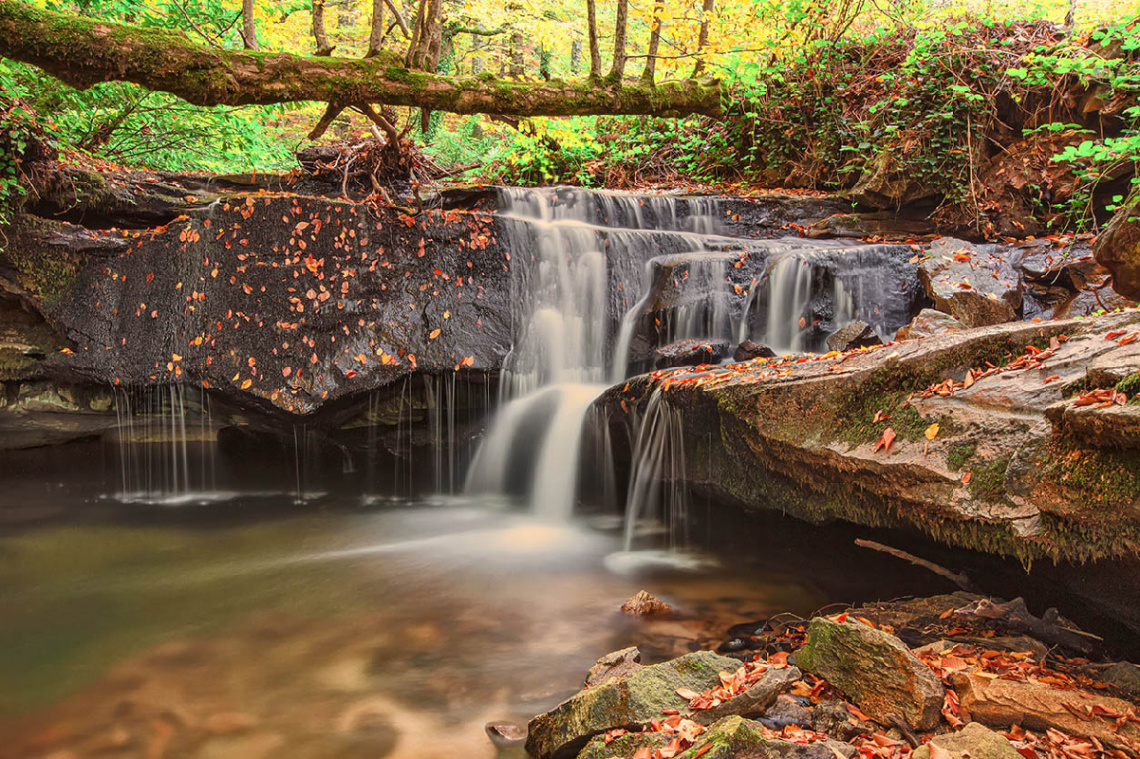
{"x":974,"y":285}
{"x":875,"y":670}
{"x":623,"y":702}
{"x":754,"y":701}
{"x":614,"y":664}
{"x":974,"y":741}
{"x":999,"y":703}
{"x":736,"y":737}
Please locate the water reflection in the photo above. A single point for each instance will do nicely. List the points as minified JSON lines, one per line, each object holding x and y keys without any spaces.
{"x":395,"y":632}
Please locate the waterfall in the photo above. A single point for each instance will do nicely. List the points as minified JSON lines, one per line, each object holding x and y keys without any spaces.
{"x":656,"y":480}
{"x":578,"y":259}
{"x":157,"y":430}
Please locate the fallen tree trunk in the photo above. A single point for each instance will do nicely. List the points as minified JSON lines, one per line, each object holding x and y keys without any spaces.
{"x":83,"y":52}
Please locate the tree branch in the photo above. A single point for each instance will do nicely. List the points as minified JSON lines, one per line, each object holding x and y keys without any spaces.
{"x":83,"y":52}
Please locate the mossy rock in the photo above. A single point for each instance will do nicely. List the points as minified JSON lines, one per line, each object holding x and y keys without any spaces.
{"x":875,"y":670}
{"x":973,"y":741}
{"x":623,"y":702}
{"x":737,"y":737}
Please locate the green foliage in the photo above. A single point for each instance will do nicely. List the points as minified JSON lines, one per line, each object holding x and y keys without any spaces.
{"x":126,"y":124}
{"x":18,"y":133}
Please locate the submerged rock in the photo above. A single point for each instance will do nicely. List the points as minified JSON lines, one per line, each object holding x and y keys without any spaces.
{"x":976,"y":286}
{"x":974,"y":741}
{"x":622,"y":702}
{"x":644,"y":602}
{"x":875,"y":670}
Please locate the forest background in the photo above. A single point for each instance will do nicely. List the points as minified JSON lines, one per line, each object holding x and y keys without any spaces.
{"x":973,"y":108}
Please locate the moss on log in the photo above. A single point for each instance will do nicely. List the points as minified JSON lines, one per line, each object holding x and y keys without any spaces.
{"x":82,"y":52}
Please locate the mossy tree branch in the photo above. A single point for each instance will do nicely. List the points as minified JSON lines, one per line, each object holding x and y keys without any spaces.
{"x":83,"y":52}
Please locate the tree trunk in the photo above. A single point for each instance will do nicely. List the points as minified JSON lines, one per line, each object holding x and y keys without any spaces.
{"x":703,"y":38}
{"x":427,"y":36}
{"x":595,"y":54}
{"x":83,"y":52}
{"x":620,"y":23}
{"x":319,"y":35}
{"x":248,"y":28}
{"x":654,"y":44}
{"x":376,"y":35}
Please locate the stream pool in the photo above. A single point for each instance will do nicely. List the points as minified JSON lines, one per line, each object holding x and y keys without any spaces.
{"x":397,"y":628}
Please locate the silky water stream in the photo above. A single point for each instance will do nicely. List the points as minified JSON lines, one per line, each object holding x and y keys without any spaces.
{"x":340,"y":624}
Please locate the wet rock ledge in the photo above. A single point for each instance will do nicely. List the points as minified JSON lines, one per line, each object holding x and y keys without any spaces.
{"x":948,"y":676}
{"x":1019,"y":439}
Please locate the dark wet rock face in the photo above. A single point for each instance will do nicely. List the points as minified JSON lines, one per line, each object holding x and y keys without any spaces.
{"x":690,"y":353}
{"x":749,"y":350}
{"x":288,"y":301}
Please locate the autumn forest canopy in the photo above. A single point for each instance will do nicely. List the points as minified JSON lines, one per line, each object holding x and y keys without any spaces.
{"x":813,"y":94}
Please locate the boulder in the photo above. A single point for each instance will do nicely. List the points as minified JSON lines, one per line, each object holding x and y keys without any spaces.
{"x":1125,"y":676}
{"x":614,"y":664}
{"x":884,"y":184}
{"x":977,"y":286}
{"x":736,"y":737}
{"x":875,"y":670}
{"x":1118,"y":248}
{"x":1036,"y":706}
{"x":749,"y":350}
{"x":754,"y":701}
{"x":974,"y":741}
{"x":857,"y":334}
{"x":690,"y":353}
{"x":928,"y":322}
{"x":623,"y":702}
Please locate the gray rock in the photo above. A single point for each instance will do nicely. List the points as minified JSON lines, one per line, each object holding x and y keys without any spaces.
{"x":974,"y":741}
{"x":875,"y":670}
{"x":833,"y":718}
{"x":857,"y":334}
{"x":749,"y":350}
{"x":614,"y":664}
{"x":972,"y":284}
{"x":754,"y":701}
{"x":1124,"y":675}
{"x":620,"y":702}
{"x":690,"y":353}
{"x":928,"y":322}
{"x":789,"y":711}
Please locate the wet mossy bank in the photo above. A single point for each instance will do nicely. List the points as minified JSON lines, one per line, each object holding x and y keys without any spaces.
{"x":1017,"y":463}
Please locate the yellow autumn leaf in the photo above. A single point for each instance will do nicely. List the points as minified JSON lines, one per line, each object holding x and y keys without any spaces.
{"x":434,"y":334}
{"x":932,"y":431}
{"x":247,"y":384}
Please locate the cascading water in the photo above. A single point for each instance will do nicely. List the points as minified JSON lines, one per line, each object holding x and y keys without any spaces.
{"x":577,"y":259}
{"x":165,"y":445}
{"x":656,"y":480}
